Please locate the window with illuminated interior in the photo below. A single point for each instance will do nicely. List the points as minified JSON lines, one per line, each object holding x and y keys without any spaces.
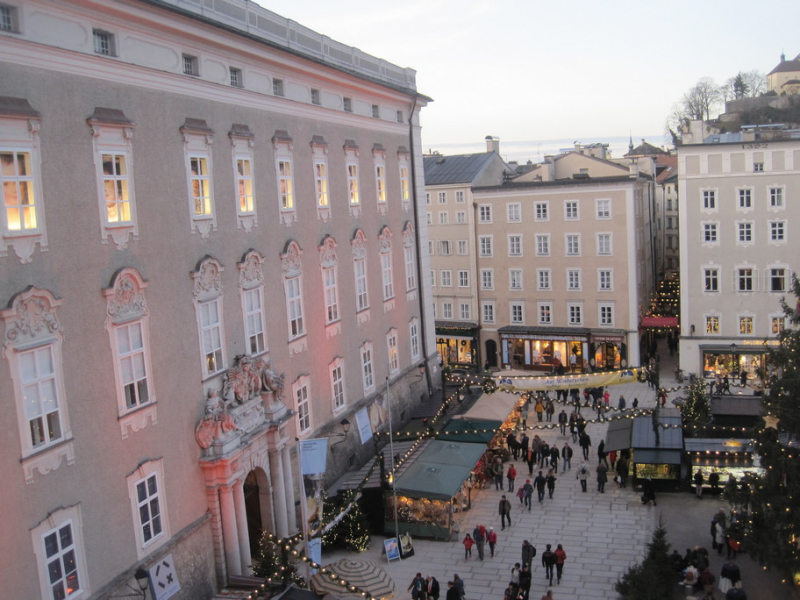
{"x":207,"y":292}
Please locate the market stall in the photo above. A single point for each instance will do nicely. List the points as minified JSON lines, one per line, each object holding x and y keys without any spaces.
{"x":725,"y":457}
{"x":432,"y":488}
{"x":499,"y":406}
{"x":658,"y":456}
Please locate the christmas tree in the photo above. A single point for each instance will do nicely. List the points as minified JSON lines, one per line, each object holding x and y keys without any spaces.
{"x":653,"y":578}
{"x":352,"y":530}
{"x":696,"y":410}
{"x":277,"y":561}
{"x":773,"y":532}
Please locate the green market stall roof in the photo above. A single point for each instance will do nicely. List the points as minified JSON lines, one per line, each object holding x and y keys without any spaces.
{"x":440,"y":470}
{"x":476,"y":431}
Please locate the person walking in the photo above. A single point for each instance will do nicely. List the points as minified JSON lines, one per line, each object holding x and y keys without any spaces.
{"x":551,"y":483}
{"x":524,"y":582}
{"x":433,"y":587}
{"x":417,"y":587}
{"x":540,"y":481}
{"x":527,"y":493}
{"x":497,"y":469}
{"x":549,"y":410}
{"x":515,"y":578}
{"x":562,"y":421}
{"x":548,"y":595}
{"x":601,"y":454}
{"x":491,"y":538}
{"x":539,"y":409}
{"x":505,"y":513}
{"x":621,"y":403}
{"x":698,"y":483}
{"x":648,"y":492}
{"x":523,"y":415}
{"x":452,"y":592}
{"x":523,"y":446}
{"x":479,"y":535}
{"x":528,"y":553}
{"x":622,"y":471}
{"x":573,"y":426}
{"x":548,"y":562}
{"x":585,"y":442}
{"x":459,"y":585}
{"x":561,"y":558}
{"x":582,"y":475}
{"x":468,"y":544}
{"x":566,"y":457}
{"x":511,"y":475}
{"x":602,"y":478}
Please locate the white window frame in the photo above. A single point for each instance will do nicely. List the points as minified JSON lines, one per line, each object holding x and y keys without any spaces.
{"x":747,"y":321}
{"x":411,"y":268}
{"x":405,"y":188}
{"x":770,"y":278}
{"x":488,"y":311}
{"x":211,"y":336}
{"x":572,"y":210}
{"x":544,"y":279}
{"x":575,"y":314}
{"x":487,"y":279}
{"x":464,"y":311}
{"x":244,"y":182}
{"x":319,"y":165}
{"x":485,"y":213}
{"x":712,"y":324}
{"x":251,"y":290}
{"x":461,"y":247}
{"x":199,"y":185}
{"x":190,"y":64}
{"x":708,"y":200}
{"x":740,"y":276}
{"x":393,"y":353}
{"x":486,"y":246}
{"x":74,"y":553}
{"x":9,"y":18}
{"x":745,"y":233}
{"x":461,"y":217}
{"x":381,"y":194}
{"x":541,"y":211}
{"x":744,"y":198}
{"x":433,"y":277}
{"x":236,"y":77}
{"x":338,"y":387}
{"x":387,"y":271}
{"x":147,"y":473}
{"x":367,"y":367}
{"x":301,"y":394}
{"x":601,"y":274}
{"x":573,"y":280}
{"x":292,"y":268}
{"x":602,"y":209}
{"x":446,"y":278}
{"x":543,"y":244}
{"x":515,"y":280}
{"x":104,"y":42}
{"x":413,"y":338}
{"x":459,"y":196}
{"x":709,"y":233}
{"x":572,"y":244}
{"x":330,"y":287}
{"x":463,"y":278}
{"x":605,"y":244}
{"x":514,"y":212}
{"x":444,"y":217}
{"x":777,"y":323}
{"x":516,"y":312}
{"x":777,"y":231}
{"x":711,"y":275}
{"x":442,"y":197}
{"x":514,"y":245}
{"x":544,"y":311}
{"x":605,"y":314}
{"x":447,"y":310}
{"x":278,"y":88}
{"x":360,"y":272}
{"x":777,"y":197}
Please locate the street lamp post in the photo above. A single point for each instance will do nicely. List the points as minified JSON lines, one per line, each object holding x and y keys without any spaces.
{"x":391,"y":471}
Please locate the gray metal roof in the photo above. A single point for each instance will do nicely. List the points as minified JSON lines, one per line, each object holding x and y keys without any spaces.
{"x":460,"y":168}
{"x":670,"y":438}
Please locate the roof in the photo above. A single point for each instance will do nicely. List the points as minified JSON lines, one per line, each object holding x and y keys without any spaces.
{"x":668,"y":165}
{"x":786,"y":66}
{"x":460,"y":168}
{"x":670,"y":432}
{"x":440,"y":470}
{"x":646,"y":149}
{"x":518,"y":185}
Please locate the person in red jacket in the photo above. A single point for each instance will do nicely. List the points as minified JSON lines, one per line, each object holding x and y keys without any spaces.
{"x":511,"y":475}
{"x":491,"y":537}
{"x":468,"y":544}
{"x":561,"y":557}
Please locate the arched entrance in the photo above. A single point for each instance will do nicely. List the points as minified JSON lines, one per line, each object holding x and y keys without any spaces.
{"x":257,"y":505}
{"x":491,"y":353}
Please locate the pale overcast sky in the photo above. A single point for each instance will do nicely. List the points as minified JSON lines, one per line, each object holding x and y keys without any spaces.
{"x":542,"y":74}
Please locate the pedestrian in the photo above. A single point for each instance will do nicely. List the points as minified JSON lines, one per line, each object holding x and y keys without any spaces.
{"x":551,"y":483}
{"x":601,"y":454}
{"x":548,"y":595}
{"x":602,"y":478}
{"x":523,"y":415}
{"x":515,"y":578}
{"x":612,"y":459}
{"x":479,"y":535}
{"x":648,"y":492}
{"x":505,"y":513}
{"x":635,"y":403}
{"x":452,"y":592}
{"x":459,"y":585}
{"x":585,"y":443}
{"x":530,"y":460}
{"x":561,"y":558}
{"x":544,"y":453}
{"x":513,"y":445}
{"x":554,"y":454}
{"x":729,"y":577}
{"x":539,"y":409}
{"x":719,"y":537}
{"x":497,"y":469}
{"x":511,"y":475}
{"x":527,"y":493}
{"x":417,"y":587}
{"x":549,"y":410}
{"x":528,"y":553}
{"x":540,"y":481}
{"x":491,"y":537}
{"x":433,"y":587}
{"x":743,"y":378}
{"x":524,"y":582}
{"x":548,"y":562}
{"x":523,"y":446}
{"x":622,"y":471}
{"x":606,"y":397}
{"x":562,"y":421}
{"x":698,"y":483}
{"x":566,"y":457}
{"x":573,"y":426}
{"x":468,"y":544}
{"x":713,"y":481}
{"x":663,"y":395}
{"x":582,"y":475}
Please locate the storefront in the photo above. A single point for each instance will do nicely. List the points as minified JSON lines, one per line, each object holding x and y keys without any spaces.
{"x":750,"y":356}
{"x":544,"y":348}
{"x":608,"y":350}
{"x":725,"y":457}
{"x":457,"y":343}
{"x":658,"y":455}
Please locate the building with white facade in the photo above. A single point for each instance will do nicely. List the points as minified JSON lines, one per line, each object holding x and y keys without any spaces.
{"x":209,"y":248}
{"x":737,"y":251}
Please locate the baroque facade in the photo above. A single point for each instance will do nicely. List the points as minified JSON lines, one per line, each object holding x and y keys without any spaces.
{"x":209,"y":250}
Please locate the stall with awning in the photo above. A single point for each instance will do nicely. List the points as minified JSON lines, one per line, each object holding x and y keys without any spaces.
{"x":494,"y":407}
{"x":619,"y":435}
{"x":658,"y":455}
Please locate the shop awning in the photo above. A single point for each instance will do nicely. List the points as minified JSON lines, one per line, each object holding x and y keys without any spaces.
{"x":494,"y":407}
{"x":473,"y":431}
{"x":440,"y":470}
{"x":619,"y":434}
{"x":670,"y":433}
{"x":657,"y":457}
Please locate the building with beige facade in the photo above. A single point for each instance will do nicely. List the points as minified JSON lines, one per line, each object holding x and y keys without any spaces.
{"x":737,"y":252}
{"x":209,"y":249}
{"x":565,"y":263}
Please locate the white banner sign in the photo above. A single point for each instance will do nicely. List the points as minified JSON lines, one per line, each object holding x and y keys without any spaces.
{"x":314,"y":454}
{"x":163,"y":579}
{"x":363,"y":424}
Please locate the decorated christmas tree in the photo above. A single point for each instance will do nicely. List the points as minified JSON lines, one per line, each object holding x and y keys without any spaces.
{"x":277,"y":561}
{"x":696,"y":410}
{"x":654,"y":577}
{"x":352,"y":530}
{"x":773,"y":526}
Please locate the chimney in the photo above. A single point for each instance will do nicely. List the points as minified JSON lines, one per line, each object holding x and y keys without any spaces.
{"x":492,"y":144}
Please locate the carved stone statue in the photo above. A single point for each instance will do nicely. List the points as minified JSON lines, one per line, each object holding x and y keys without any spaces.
{"x":242,"y":382}
{"x":269,"y":381}
{"x":216,"y":422}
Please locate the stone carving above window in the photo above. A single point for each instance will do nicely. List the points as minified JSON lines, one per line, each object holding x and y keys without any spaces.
{"x":207,"y":278}
{"x":125,"y":296}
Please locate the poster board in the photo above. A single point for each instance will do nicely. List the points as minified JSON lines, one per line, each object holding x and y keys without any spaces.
{"x":392,"y":549}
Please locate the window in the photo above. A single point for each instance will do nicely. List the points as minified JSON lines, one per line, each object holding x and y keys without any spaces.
{"x":294,"y":306}
{"x":236,"y":77}
{"x":778,"y":325}
{"x":709,"y":199}
{"x":777,"y":280}
{"x":442,"y":197}
{"x":277,"y":87}
{"x":315,"y":97}
{"x":447,"y":310}
{"x":427,"y":197}
{"x":19,"y":192}
{"x":460,"y":197}
{"x":414,"y":338}
{"x":744,"y":280}
{"x":542,"y":211}
{"x":58,"y":546}
{"x":485,"y":213}
{"x":347,"y":104}
{"x":461,"y":217}
{"x":376,"y":111}
{"x":744,"y":231}
{"x":352,"y":184}
{"x":433,"y":278}
{"x":712,"y":325}
{"x":445,"y":247}
{"x":487,"y":279}
{"x":366,"y":367}
{"x":446,"y":278}
{"x":285,"y":184}
{"x":462,"y":247}
{"x":463,"y":279}
{"x":517,"y":313}
{"x":746,"y":325}
{"x":380,"y":183}
{"x":758,"y":167}
{"x":488,"y":312}
{"x":573,"y":244}
{"x":776,"y":197}
{"x":545,"y":313}
{"x":411,"y":267}
{"x":606,"y":315}
{"x":360,"y":268}
{"x":8,"y":18}
{"x":337,"y":385}
{"x":603,"y":208}
{"x":386,"y":271}
{"x":710,"y":233}
{"x":745,"y":198}
{"x":244,"y":186}
{"x":201,"y":186}
{"x":405,"y":195}
{"x":571,"y":210}
{"x":103,"y":42}
{"x":465,"y":312}
{"x":515,"y":279}
{"x":331,"y":292}
{"x":605,"y":280}
{"x":211,"y":336}
{"x":444,"y":218}
{"x":604,"y":244}
{"x":190,"y":65}
{"x":575,"y":312}
{"x":543,"y":279}
{"x":515,"y":245}
{"x":391,"y":347}
{"x":514,"y":212}
{"x":777,"y":231}
{"x":146,"y":492}
{"x":253,"y":303}
{"x":149,"y":508}
{"x":543,"y":245}
{"x":711,"y":279}
{"x":485,"y":245}
{"x":573,"y":280}
{"x":399,"y":116}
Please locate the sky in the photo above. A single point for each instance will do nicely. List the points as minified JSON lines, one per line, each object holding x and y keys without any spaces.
{"x":541,"y":75}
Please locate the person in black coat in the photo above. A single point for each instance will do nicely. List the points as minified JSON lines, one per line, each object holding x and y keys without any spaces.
{"x":452,"y":592}
{"x":433,"y":587}
{"x":525,"y":582}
